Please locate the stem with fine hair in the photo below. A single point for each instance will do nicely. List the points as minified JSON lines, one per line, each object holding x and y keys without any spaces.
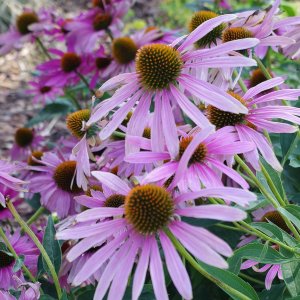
{"x":36,"y":215}
{"x":203,"y":272}
{"x":34,"y":238}
{"x":44,"y":49}
{"x":15,"y":255}
{"x":85,"y":82}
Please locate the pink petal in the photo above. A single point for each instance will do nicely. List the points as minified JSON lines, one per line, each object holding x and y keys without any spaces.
{"x":215,"y":212}
{"x":176,"y":268}
{"x":112,"y":181}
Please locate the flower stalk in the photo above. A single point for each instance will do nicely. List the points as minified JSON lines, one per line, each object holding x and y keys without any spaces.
{"x":34,"y":238}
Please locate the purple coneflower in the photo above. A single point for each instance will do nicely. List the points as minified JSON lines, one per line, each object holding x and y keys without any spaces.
{"x":161,"y":74}
{"x":290,"y":27}
{"x":86,"y":29}
{"x":55,"y":182}
{"x":147,"y":211}
{"x":21,"y":32}
{"x":200,"y":160}
{"x":258,"y":24}
{"x":43,"y":93}
{"x":8,"y":181}
{"x":26,"y":140}
{"x":23,"y":245}
{"x":249,"y":126}
{"x":63,"y":70}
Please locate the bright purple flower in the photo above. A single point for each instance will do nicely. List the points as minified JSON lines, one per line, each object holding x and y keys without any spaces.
{"x":61,"y":71}
{"x":165,"y":80}
{"x":7,"y":181}
{"x":86,"y":29}
{"x":12,"y":195}
{"x":200,"y":160}
{"x":23,"y":245}
{"x":135,"y":240}
{"x":56,"y":183}
{"x":26,"y":141}
{"x":249,"y":126}
{"x":43,"y":93}
{"x":224,"y":4}
{"x":258,"y":24}
{"x":22,"y":32}
{"x":290,"y":27}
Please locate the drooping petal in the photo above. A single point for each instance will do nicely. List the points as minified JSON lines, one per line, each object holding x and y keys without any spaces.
{"x":141,"y":270}
{"x":112,"y":181}
{"x":157,"y":272}
{"x":176,"y":268}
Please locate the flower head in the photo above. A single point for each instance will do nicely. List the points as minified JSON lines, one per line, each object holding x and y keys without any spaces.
{"x":55,"y":182}
{"x":167,"y":80}
{"x":134,"y":228}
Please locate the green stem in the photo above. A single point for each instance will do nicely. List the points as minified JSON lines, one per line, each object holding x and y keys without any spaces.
{"x":197,"y":267}
{"x":267,"y":74}
{"x":13,"y":252}
{"x":251,"y":279}
{"x":72,"y":99}
{"x":229,"y":227}
{"x":45,"y":51}
{"x":240,"y":82}
{"x":34,"y":238}
{"x":250,"y":230}
{"x":267,"y":195}
{"x":36,"y":215}
{"x":118,"y":134}
{"x":85,"y":82}
{"x":272,"y":185}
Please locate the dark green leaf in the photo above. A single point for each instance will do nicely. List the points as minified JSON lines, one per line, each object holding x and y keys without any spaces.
{"x":275,"y":232}
{"x":64,"y":296}
{"x":51,"y":110}
{"x":287,"y":142}
{"x":291,"y":277}
{"x":231,"y":280}
{"x":292,"y":212}
{"x":274,"y":176}
{"x":46,"y":297}
{"x":275,"y":293}
{"x":51,"y":246}
{"x":18,"y":263}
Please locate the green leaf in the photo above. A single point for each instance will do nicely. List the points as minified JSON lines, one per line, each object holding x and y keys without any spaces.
{"x":275,"y":293}
{"x":51,"y":110}
{"x":274,"y":176}
{"x":288,"y":143}
{"x":46,"y":297}
{"x":18,"y":263}
{"x":291,"y":277}
{"x":64,"y":296}
{"x":257,"y":252}
{"x":231,"y":280}
{"x":275,"y":232}
{"x":292,"y":212}
{"x":51,"y":246}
